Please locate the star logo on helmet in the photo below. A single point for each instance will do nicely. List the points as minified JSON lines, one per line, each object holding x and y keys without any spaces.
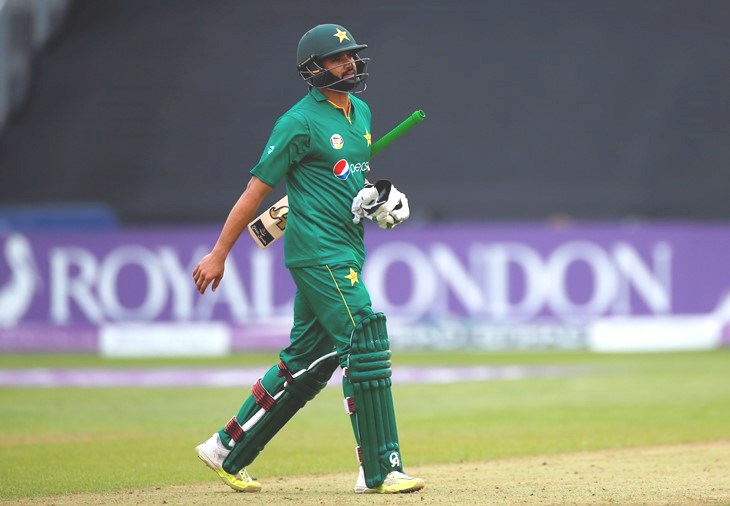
{"x":342,"y":35}
{"x":368,"y":137}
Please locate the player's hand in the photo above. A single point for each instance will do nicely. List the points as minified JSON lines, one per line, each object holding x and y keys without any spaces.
{"x":382,"y":203}
{"x":401,"y":212}
{"x":363,"y":201}
{"x":209,"y":270}
{"x":392,"y":207}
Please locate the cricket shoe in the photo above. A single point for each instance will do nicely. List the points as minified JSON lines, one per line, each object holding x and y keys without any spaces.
{"x":395,"y":483}
{"x":213,"y":453}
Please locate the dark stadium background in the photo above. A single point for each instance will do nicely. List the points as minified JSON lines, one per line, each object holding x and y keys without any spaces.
{"x":588,"y":110}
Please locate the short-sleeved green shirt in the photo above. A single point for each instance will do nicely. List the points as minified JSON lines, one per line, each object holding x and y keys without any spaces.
{"x":324,"y":156}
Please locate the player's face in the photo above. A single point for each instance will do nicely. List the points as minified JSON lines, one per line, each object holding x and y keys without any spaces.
{"x":341,"y":65}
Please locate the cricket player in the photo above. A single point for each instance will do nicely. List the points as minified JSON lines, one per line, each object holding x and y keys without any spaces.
{"x":321,"y":148}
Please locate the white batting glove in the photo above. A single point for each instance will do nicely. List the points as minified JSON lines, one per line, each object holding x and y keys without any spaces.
{"x":381,"y":212}
{"x":363,"y":201}
{"x":382,"y":203}
{"x":401,"y":212}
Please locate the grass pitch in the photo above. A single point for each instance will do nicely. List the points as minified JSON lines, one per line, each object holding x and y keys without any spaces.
{"x":117,"y":444}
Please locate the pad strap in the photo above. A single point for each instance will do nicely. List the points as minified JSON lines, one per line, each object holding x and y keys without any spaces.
{"x":263,"y":398}
{"x":284,"y":372}
{"x":349,"y":405}
{"x":234,"y":430}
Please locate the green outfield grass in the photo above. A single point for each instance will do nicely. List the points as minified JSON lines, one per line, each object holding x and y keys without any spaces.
{"x":66,"y":440}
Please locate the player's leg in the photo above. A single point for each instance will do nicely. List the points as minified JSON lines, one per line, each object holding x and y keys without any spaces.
{"x":303,"y":371}
{"x":368,"y":373}
{"x":217,"y":452}
{"x":342,"y":305}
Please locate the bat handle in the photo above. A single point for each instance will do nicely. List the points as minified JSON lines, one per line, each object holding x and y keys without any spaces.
{"x":398,"y":131}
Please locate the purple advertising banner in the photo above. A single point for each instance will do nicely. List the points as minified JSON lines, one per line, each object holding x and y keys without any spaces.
{"x":58,"y":289}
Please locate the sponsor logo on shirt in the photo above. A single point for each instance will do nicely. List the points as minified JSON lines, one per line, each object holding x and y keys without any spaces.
{"x":342,"y":168}
{"x":337,"y":141}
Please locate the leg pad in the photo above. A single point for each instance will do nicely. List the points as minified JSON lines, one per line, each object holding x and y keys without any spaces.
{"x":369,"y":372}
{"x":277,"y":410}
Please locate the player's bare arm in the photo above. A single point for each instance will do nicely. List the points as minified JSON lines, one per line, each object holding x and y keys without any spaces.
{"x":211,"y":266}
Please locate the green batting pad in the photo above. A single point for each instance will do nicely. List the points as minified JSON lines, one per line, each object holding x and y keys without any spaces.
{"x":369,"y":373}
{"x":262,"y":426}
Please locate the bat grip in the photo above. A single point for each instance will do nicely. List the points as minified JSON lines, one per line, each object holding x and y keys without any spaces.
{"x":402,"y":128}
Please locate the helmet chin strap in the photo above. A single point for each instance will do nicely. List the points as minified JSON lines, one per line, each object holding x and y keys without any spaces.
{"x":348,"y":86}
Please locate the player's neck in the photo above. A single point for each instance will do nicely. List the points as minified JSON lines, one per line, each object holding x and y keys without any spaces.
{"x":339,"y":99}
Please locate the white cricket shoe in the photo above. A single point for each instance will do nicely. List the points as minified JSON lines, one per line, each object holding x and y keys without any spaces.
{"x":395,"y":483}
{"x":213,"y":453}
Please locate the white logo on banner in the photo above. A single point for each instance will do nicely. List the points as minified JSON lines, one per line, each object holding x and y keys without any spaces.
{"x":92,"y":285}
{"x":484,"y":284}
{"x":16,"y":294}
{"x":502,"y":282}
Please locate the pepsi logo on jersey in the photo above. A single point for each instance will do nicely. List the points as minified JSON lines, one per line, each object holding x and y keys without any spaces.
{"x":342,"y":168}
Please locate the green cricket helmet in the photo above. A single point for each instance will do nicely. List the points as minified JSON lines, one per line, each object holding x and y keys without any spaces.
{"x":324,"y":41}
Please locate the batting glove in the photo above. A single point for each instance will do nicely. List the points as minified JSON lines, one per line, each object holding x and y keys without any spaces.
{"x":382,"y":203}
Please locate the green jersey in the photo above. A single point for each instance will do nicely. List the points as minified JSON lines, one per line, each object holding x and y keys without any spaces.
{"x":324,"y":156}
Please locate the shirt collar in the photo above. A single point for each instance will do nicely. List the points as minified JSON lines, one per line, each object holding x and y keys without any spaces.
{"x":317,"y":95}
